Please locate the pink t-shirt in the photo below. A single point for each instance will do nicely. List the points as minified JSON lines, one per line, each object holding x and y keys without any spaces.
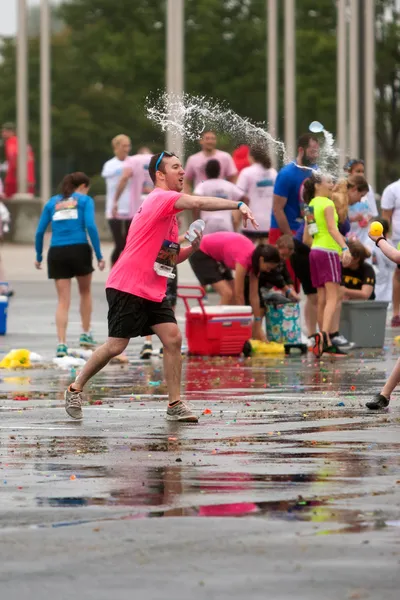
{"x":218,"y":220}
{"x":152,"y":237}
{"x":139,"y":174}
{"x":148,"y":185}
{"x":196,"y":164}
{"x":228,"y":248}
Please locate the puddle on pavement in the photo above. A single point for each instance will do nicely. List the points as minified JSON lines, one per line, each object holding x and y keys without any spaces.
{"x":273,"y":440}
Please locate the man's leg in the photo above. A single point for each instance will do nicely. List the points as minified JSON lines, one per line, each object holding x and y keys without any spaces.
{"x":396,"y":298}
{"x":171,"y":339}
{"x":99,"y":359}
{"x":382,"y":400}
{"x":310,"y":314}
{"x":117,"y":230}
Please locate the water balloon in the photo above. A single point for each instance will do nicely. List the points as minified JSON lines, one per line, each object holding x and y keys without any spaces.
{"x":316,"y":127}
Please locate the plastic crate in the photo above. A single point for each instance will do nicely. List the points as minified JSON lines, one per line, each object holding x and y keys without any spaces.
{"x":363,"y":322}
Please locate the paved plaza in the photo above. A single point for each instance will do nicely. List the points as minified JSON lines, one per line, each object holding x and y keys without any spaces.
{"x":287,"y":488}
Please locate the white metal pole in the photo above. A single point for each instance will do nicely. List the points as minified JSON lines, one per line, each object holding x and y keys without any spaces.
{"x":369,"y":92}
{"x":341,"y":96}
{"x":272,"y":72}
{"x":290,"y":77}
{"x":175,"y":66}
{"x":22,"y":97}
{"x":45,"y":106}
{"x":354,"y":68}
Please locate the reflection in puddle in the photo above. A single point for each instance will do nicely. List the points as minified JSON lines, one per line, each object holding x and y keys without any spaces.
{"x":285,"y":439}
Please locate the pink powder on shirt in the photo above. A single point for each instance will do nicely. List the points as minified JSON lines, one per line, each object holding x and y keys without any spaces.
{"x":228,"y":248}
{"x":154,"y":223}
{"x":196,"y":164}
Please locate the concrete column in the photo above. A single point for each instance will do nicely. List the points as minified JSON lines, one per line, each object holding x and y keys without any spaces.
{"x":369,"y":91}
{"x":22,"y":96}
{"x":45,"y":102}
{"x":353,"y":72}
{"x":175,"y":66}
{"x":290,"y":77}
{"x":272,"y":72}
{"x":341,"y":117}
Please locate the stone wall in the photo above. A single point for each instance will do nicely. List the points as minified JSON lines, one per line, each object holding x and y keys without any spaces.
{"x":25,"y":214}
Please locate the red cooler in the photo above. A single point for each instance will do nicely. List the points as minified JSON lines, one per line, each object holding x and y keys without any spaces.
{"x":214,"y":330}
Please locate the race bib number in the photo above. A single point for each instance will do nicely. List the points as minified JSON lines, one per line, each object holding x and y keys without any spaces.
{"x":167,"y":259}
{"x":66,"y":210}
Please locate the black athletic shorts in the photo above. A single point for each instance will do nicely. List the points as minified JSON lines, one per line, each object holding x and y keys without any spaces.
{"x":300,"y":261}
{"x":66,"y":262}
{"x":130,"y":316}
{"x":255,"y":235}
{"x":172,"y":289}
{"x":208,"y":270}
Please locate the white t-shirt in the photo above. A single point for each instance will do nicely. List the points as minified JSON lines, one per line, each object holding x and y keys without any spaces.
{"x":112,"y":172}
{"x":218,"y":220}
{"x":257,"y":183}
{"x":383,"y":268}
{"x":391,"y":201}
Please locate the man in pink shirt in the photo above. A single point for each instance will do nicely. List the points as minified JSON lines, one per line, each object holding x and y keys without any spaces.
{"x":196,"y":164}
{"x":137,"y":283}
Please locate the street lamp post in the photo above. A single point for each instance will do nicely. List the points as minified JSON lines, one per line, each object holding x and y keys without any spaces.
{"x":22,"y":97}
{"x":45,"y":115}
{"x":369,"y":92}
{"x":354,"y":68}
{"x":175,"y":66}
{"x":341,"y":115}
{"x":290,"y":76}
{"x":272,"y":72}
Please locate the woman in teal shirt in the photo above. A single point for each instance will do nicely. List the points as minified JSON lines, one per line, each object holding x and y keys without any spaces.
{"x":328,"y":247}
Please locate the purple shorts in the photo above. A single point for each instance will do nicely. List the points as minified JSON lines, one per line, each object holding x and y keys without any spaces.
{"x":325,"y":267}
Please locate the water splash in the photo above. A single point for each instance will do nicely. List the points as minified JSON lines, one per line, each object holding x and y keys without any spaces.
{"x":328,"y":161}
{"x":189,"y":116}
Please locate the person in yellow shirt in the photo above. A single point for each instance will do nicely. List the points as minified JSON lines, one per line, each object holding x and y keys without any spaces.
{"x":328,"y":249}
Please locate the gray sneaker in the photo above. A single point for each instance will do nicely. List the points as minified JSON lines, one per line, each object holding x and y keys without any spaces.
{"x":73,"y":403}
{"x":181,"y":412}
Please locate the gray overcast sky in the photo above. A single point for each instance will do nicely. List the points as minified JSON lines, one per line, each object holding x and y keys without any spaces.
{"x":8,"y":15}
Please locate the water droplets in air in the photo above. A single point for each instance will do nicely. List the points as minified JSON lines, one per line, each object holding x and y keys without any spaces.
{"x":188,"y":116}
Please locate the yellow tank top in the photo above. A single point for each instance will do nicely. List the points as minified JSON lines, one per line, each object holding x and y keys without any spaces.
{"x":323,"y":238}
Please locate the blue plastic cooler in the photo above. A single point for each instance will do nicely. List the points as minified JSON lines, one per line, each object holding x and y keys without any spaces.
{"x":3,"y":311}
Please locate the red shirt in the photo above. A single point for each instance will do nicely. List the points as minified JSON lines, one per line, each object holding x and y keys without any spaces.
{"x":11,"y":151}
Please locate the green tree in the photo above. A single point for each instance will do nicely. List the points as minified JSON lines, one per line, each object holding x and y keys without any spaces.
{"x":107,"y":56}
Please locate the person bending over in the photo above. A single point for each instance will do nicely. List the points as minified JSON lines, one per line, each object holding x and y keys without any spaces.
{"x":223,"y":252}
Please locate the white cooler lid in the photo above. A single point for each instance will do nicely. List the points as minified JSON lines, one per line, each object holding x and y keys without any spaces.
{"x":222,"y":310}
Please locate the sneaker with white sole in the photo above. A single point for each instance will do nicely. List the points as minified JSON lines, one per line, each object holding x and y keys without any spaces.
{"x":181,"y":412}
{"x":73,"y":403}
{"x":340,"y":340}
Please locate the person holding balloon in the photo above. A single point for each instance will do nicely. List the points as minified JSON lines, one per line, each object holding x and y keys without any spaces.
{"x":382,"y":399}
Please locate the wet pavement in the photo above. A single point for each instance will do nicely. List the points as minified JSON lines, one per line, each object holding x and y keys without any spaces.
{"x":299,"y":483}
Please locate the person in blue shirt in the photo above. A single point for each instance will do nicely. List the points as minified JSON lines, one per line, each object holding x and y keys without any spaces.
{"x":287,"y":205}
{"x":72,"y":217}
